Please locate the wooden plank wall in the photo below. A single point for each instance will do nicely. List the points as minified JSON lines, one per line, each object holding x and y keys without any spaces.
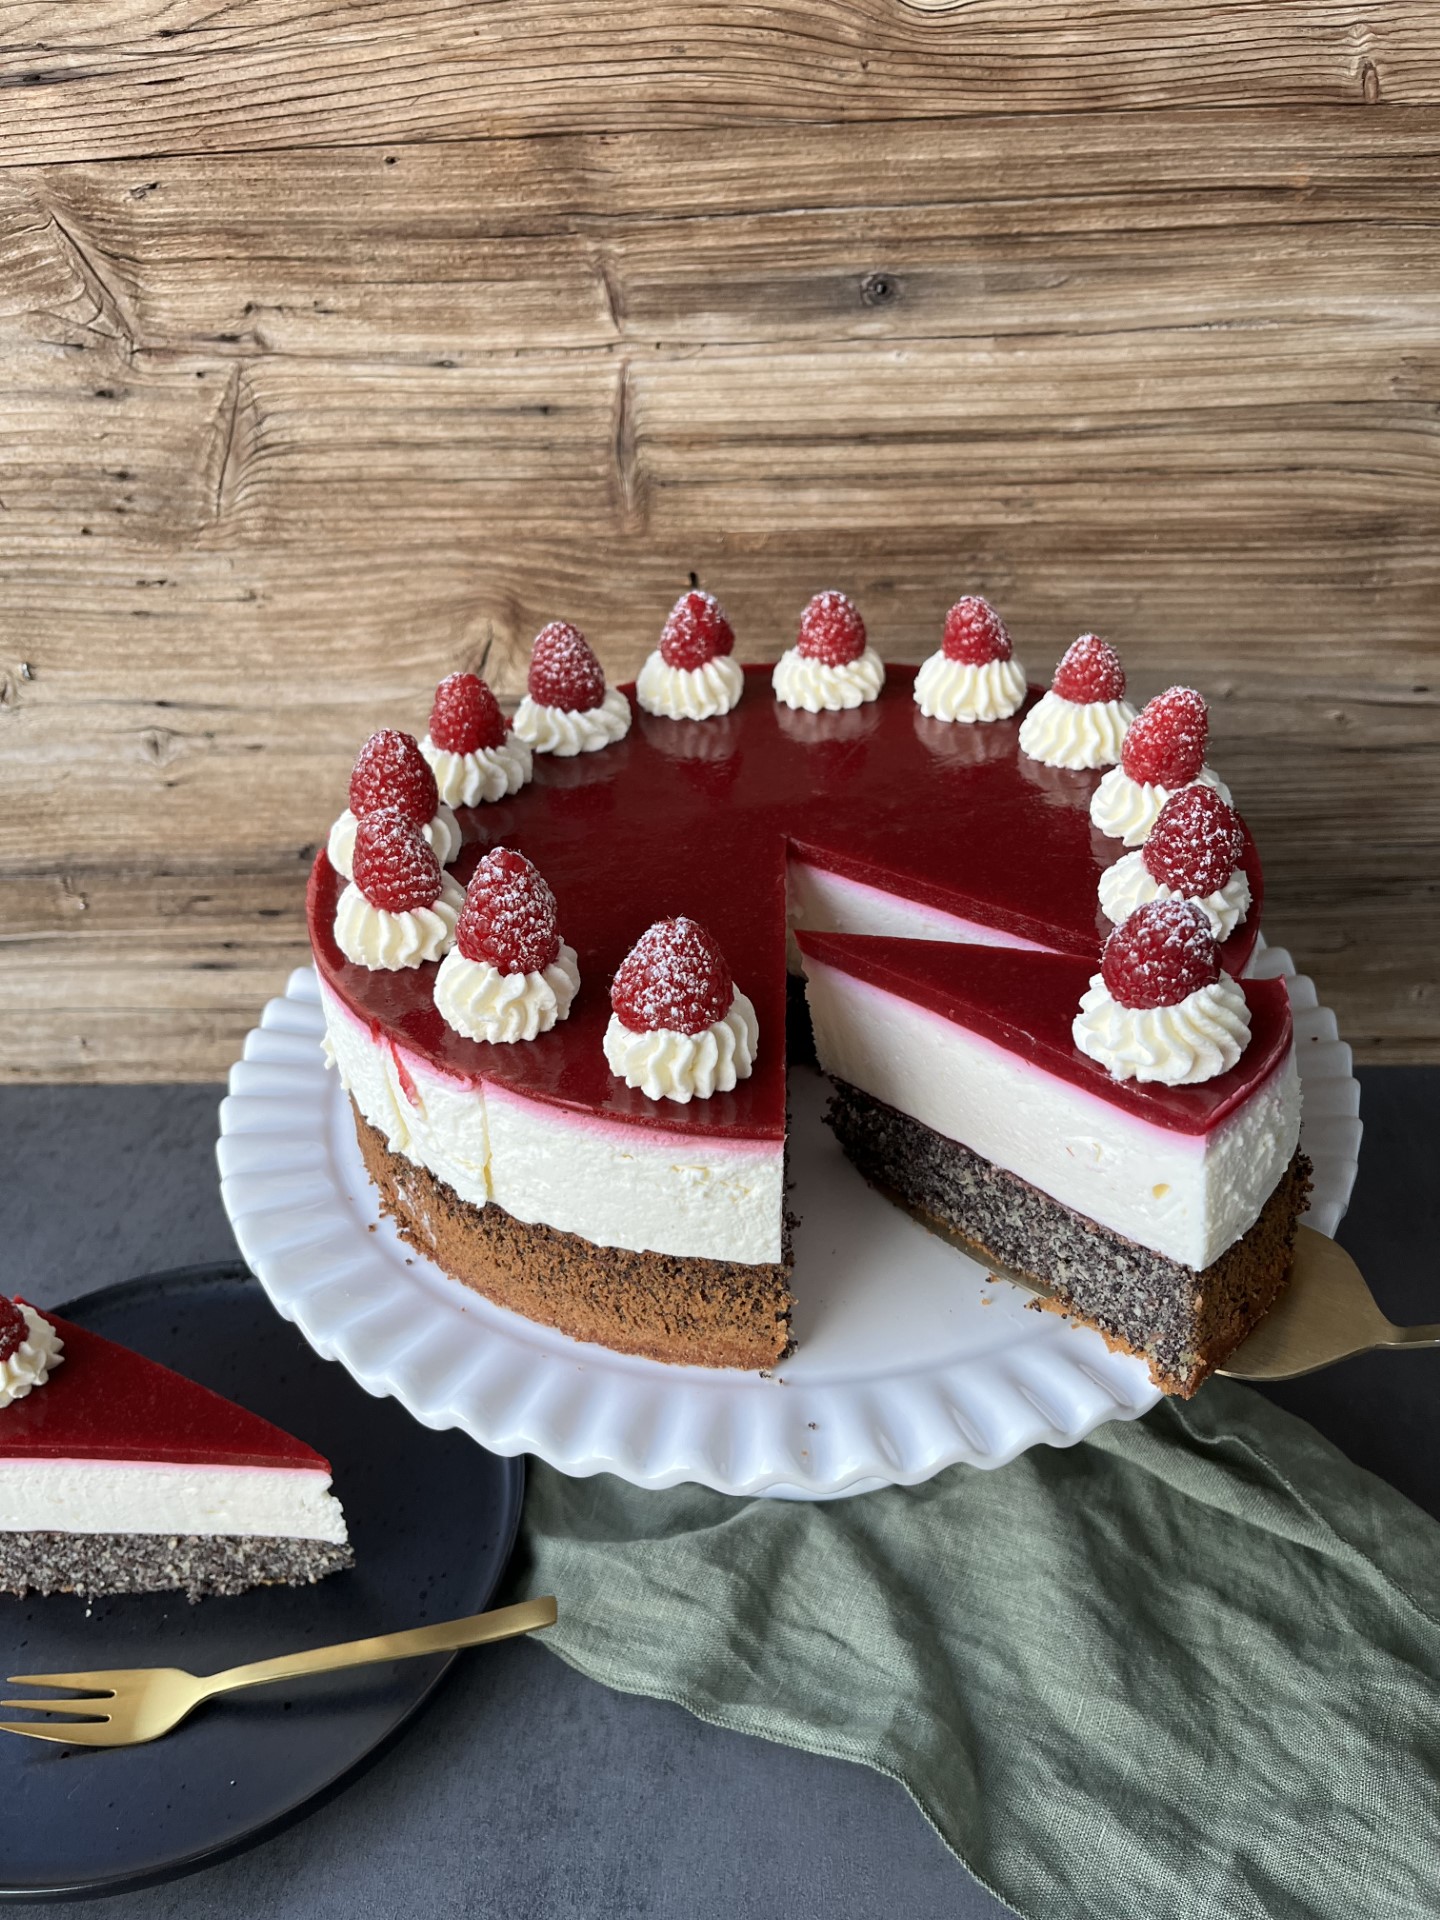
{"x":345,"y":345}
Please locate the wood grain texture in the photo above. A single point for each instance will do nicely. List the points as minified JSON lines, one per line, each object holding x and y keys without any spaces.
{"x":286,"y":435}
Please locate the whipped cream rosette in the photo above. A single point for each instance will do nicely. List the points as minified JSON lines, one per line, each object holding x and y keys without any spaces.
{"x":391,"y":771}
{"x":1160,"y":1009}
{"x":975,"y":675}
{"x":567,"y":708}
{"x":1083,"y":719}
{"x":509,"y":976}
{"x":30,"y":1350}
{"x":679,"y":1027}
{"x":1193,"y":853}
{"x":831,"y":666}
{"x":1163,"y":751}
{"x":474,"y":756}
{"x":399,"y":909}
{"x":693,"y":673}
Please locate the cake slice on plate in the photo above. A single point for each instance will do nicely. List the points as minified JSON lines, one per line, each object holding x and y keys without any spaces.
{"x":119,"y":1476}
{"x":981,"y":1086}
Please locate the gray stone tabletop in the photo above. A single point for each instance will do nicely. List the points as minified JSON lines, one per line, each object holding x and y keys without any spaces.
{"x":526,"y":1790}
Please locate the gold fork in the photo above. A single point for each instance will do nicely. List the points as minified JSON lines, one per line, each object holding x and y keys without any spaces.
{"x":134,"y":1704}
{"x":1326,"y":1313}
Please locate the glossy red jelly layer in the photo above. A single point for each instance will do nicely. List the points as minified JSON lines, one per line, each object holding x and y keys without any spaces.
{"x":1027,"y":1002}
{"x":104,"y":1402}
{"x":697,"y":816}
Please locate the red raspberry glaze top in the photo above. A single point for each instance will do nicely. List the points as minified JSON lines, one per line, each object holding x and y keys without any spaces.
{"x":466,"y":716}
{"x":1165,"y":746}
{"x":509,"y":915}
{"x":831,"y":630}
{"x":14,"y":1328}
{"x":1089,"y":671}
{"x":674,"y":977}
{"x":394,"y":866}
{"x":564,"y":671}
{"x":391,"y":771}
{"x":975,"y":633}
{"x":1195,"y":845}
{"x":696,"y":631}
{"x":1160,"y":955}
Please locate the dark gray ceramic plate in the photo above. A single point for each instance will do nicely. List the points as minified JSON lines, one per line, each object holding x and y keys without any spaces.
{"x":432,"y":1518}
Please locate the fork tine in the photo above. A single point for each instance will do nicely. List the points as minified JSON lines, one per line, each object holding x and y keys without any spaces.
{"x":86,"y":1682}
{"x":79,"y":1733}
{"x":87,"y":1709}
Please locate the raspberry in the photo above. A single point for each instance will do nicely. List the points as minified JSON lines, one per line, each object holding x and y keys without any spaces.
{"x":673,"y":977}
{"x":1165,"y":746}
{"x":466,"y":717}
{"x":697,"y":631}
{"x":14,"y":1328}
{"x":509,"y":915}
{"x":394,"y":866}
{"x":564,"y":671}
{"x":831,"y":630}
{"x":1163,"y":952}
{"x":391,"y":771}
{"x":1194,"y":845}
{"x":975,"y":633}
{"x":1090,"y":671}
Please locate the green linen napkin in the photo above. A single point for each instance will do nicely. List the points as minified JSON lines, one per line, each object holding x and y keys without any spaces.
{"x":1185,"y":1669}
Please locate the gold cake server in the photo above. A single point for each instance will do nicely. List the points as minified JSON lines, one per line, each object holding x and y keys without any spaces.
{"x":133,"y":1704}
{"x":1326,"y":1313}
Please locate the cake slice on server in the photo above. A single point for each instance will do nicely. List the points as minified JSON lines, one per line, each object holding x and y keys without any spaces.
{"x":1020,"y":1099}
{"x":119,"y":1476}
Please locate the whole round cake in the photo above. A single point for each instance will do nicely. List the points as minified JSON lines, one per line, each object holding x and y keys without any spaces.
{"x":561,"y":956}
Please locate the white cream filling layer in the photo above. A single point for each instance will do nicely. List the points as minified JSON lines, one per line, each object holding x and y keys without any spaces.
{"x":109,"y":1496}
{"x":640,"y":1188}
{"x":824,"y":902}
{"x":1186,"y":1196}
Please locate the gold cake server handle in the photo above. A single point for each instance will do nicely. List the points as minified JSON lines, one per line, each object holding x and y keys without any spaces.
{"x":130,"y":1705}
{"x":1326,"y":1313}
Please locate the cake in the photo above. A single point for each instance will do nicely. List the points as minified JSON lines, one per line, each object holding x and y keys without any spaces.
{"x":598,"y":1140}
{"x":119,"y":1476}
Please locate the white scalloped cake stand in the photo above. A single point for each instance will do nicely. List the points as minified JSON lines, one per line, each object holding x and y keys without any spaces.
{"x":909,"y":1357}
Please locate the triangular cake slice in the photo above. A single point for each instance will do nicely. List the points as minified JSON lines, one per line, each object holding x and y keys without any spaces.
{"x":118,"y":1475}
{"x":1164,"y":1216}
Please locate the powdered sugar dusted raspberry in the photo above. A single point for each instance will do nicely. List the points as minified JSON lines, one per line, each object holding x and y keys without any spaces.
{"x":391,"y":771}
{"x":696,"y":632}
{"x":564,"y":671}
{"x":1090,"y":671}
{"x":831,"y":630}
{"x":674,"y":977}
{"x":394,"y":866}
{"x":509,"y":915}
{"x":1195,"y":844}
{"x":14,"y":1328}
{"x":1165,"y":746}
{"x":975,"y":633}
{"x":466,"y":716}
{"x":1160,"y":955}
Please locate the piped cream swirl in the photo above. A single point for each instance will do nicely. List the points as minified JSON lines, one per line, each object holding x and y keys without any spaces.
{"x":947,"y":689}
{"x":1075,"y":733}
{"x":666,"y":1065}
{"x":476,"y":999}
{"x":33,"y":1361}
{"x":1124,"y":809}
{"x":689,"y":693}
{"x":1201,"y":1036}
{"x":813,"y":687}
{"x":442,"y":835}
{"x":564,"y":731}
{"x":471,"y":779}
{"x":1130,"y":884}
{"x":386,"y":942}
